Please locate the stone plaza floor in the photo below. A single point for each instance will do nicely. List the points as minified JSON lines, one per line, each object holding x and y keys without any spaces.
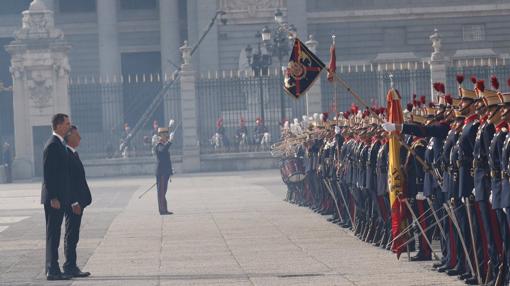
{"x":228,"y":229}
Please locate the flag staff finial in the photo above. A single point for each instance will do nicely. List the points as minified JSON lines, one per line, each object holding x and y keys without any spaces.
{"x":333,"y":37}
{"x":391,"y":81}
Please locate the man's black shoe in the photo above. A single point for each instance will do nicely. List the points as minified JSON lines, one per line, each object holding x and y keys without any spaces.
{"x":166,"y":213}
{"x":472,"y":281}
{"x":438,"y":264}
{"x":58,"y":276}
{"x":443,"y":268}
{"x":465,"y":276}
{"x":420,"y":257}
{"x":454,"y":272}
{"x":77,"y":273}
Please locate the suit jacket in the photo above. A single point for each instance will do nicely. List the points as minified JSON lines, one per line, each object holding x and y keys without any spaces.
{"x":55,"y":172}
{"x":79,"y":191}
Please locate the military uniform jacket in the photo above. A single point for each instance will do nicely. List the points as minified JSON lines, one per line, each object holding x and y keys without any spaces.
{"x":432,"y":157}
{"x":502,"y":200}
{"x":382,"y":170}
{"x":414,"y":170}
{"x":164,"y":164}
{"x":481,"y":160}
{"x":466,"y":144}
{"x":495,"y":155}
{"x":449,"y":167}
{"x":371,"y":167}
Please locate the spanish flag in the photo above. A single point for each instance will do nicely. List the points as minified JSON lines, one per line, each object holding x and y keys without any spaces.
{"x":395,"y":175}
{"x":303,"y":69}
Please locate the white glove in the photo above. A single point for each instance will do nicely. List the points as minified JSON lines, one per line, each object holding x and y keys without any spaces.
{"x":490,"y":198}
{"x":389,"y":127}
{"x":171,"y":123}
{"x":462,"y":200}
{"x":171,"y":137}
{"x":337,"y":130}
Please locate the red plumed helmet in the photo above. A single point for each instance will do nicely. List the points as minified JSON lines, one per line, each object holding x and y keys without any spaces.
{"x":423,"y":99}
{"x":382,"y":110}
{"x":409,"y":107}
{"x":494,"y":82}
{"x":414,"y":96}
{"x":431,"y":104}
{"x":480,"y":85}
{"x":436,"y":86}
{"x":366,"y":113}
{"x":460,"y":78}
{"x":442,"y":89}
{"x":325,"y":116}
{"x":346,"y":114}
{"x":448,"y":99}
{"x":473,"y":79}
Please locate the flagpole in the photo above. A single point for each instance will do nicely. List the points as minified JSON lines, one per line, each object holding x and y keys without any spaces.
{"x":360,"y":100}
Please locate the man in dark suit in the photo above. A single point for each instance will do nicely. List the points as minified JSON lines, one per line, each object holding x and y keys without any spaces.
{"x":55,"y":192}
{"x":80,"y":197}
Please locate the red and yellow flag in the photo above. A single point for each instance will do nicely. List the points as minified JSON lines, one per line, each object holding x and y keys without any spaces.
{"x":395,"y":175}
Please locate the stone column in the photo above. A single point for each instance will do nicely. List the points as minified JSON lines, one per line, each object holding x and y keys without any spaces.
{"x":313,"y":96}
{"x":169,"y":42}
{"x":438,"y":63}
{"x":109,"y":62}
{"x":189,"y":104}
{"x":297,"y":16}
{"x":208,"y":53}
{"x":40,"y":73}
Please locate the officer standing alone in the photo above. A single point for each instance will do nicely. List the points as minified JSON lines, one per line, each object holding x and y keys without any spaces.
{"x":163,"y":168}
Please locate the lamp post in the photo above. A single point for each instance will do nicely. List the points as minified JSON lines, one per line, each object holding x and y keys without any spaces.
{"x":276,"y":43}
{"x":260,"y":62}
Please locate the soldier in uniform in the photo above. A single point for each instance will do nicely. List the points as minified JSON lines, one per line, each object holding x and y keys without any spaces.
{"x":484,"y":170}
{"x":501,"y":196}
{"x":163,"y":168}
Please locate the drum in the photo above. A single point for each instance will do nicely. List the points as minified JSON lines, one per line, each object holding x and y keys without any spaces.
{"x":293,"y":169}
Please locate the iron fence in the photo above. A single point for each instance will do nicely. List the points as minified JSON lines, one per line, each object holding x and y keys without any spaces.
{"x":482,"y":69}
{"x":236,"y":96}
{"x":233,"y":96}
{"x":371,"y":82}
{"x":104,"y":109}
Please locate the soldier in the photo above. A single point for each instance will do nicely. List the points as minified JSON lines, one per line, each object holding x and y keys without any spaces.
{"x":242,"y":133}
{"x":501,"y":196}
{"x":484,"y":170}
{"x":163,"y":168}
{"x":414,"y":192}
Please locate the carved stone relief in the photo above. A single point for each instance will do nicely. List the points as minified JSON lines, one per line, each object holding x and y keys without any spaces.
{"x":40,"y":86}
{"x":250,"y":10}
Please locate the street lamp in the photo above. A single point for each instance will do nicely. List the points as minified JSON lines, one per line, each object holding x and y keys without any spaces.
{"x":276,"y":43}
{"x":260,"y":62}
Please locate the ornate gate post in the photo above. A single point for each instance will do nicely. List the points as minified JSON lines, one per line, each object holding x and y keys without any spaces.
{"x":438,"y":63}
{"x":189,"y":104}
{"x":40,"y":73}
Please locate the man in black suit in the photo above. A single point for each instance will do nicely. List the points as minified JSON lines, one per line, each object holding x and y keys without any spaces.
{"x":80,"y":197}
{"x":55,"y":192}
